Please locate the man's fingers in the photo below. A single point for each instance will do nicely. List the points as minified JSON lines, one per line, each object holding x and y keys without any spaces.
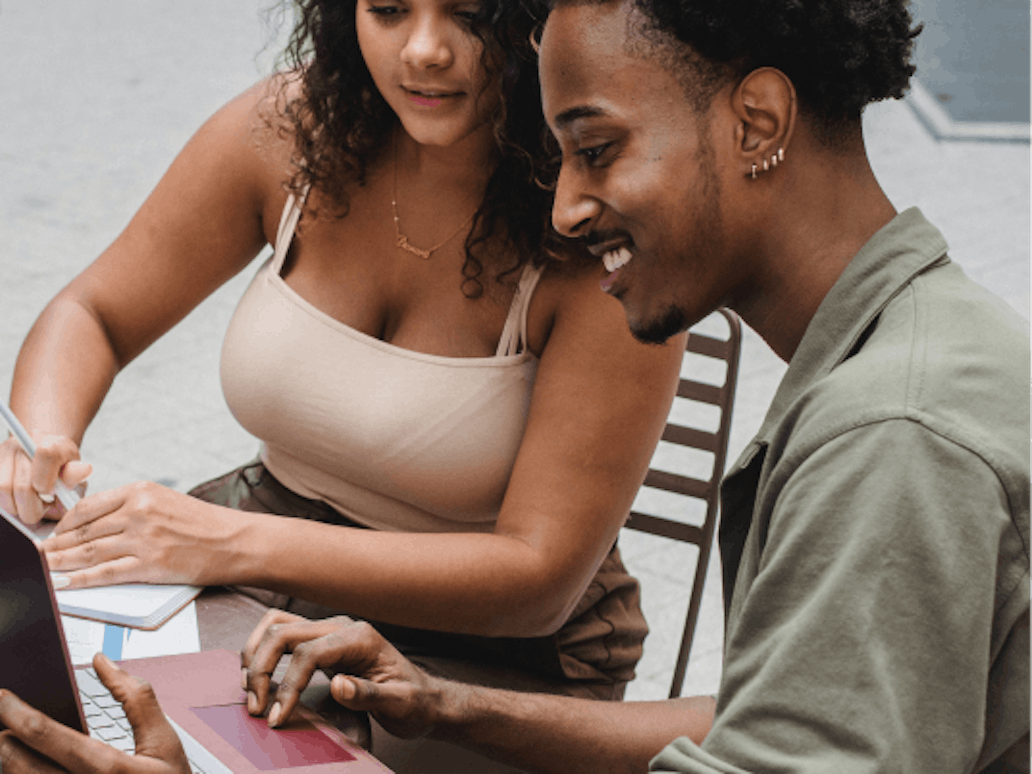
{"x":57,"y":742}
{"x":307,"y":657}
{"x":281,"y":633}
{"x":154,"y":736}
{"x":16,"y":758}
{"x":256,"y":681}
{"x":270,"y":618}
{"x":355,"y":693}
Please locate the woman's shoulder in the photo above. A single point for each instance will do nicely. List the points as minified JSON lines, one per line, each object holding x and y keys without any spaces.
{"x":569,"y":300}
{"x":251,"y":142}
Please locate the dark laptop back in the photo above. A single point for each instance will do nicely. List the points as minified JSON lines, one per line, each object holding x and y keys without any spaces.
{"x":34,"y":660}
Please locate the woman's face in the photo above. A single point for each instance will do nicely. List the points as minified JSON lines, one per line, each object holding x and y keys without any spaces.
{"x":426,"y":62}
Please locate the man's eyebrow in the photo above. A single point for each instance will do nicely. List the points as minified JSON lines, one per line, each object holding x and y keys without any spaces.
{"x":570,"y":115}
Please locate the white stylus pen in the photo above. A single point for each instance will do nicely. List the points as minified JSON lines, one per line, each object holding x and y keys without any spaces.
{"x":67,"y":497}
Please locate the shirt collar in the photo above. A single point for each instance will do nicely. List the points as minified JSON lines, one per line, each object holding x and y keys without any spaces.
{"x":903,"y":248}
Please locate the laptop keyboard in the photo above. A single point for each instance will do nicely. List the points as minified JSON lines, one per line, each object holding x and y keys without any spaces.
{"x":107,"y":722}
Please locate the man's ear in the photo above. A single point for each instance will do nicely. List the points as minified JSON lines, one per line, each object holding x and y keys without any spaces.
{"x":765,"y":105}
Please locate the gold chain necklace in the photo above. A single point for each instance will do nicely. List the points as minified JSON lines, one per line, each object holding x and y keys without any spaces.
{"x":400,"y":240}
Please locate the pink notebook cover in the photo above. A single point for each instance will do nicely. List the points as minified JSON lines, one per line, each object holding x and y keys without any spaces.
{"x":201,"y":692}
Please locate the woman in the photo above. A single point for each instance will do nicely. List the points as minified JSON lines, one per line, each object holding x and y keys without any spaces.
{"x":425,"y":381}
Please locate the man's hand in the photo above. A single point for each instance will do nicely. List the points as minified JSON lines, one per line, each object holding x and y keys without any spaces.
{"x":370,"y":674}
{"x":35,"y":743}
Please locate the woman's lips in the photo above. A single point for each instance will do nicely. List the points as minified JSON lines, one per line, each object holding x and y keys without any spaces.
{"x":419,"y":99}
{"x":429,"y":97}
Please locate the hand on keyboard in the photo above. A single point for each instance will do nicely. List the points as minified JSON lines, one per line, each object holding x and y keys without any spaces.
{"x":35,"y":743}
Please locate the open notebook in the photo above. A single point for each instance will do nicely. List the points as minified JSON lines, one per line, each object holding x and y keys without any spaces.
{"x":137,"y":605}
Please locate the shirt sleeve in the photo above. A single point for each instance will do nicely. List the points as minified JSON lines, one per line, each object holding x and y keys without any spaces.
{"x":864,"y":641}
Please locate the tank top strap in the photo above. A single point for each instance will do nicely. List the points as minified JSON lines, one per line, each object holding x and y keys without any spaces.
{"x":514,"y":334}
{"x":285,"y":233}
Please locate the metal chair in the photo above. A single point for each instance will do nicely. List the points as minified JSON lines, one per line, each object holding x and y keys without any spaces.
{"x":705,"y":488}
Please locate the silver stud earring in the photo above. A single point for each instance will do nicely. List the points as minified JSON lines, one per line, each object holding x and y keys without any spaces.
{"x":753,"y":174}
{"x":766,"y":165}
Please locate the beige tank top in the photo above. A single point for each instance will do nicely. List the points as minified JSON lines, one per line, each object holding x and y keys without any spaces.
{"x":393,"y":439}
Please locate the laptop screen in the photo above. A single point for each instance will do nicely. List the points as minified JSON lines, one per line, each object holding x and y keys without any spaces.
{"x":34,"y":661}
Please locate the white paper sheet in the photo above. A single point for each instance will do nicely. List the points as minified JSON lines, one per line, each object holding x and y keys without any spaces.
{"x":178,"y":635}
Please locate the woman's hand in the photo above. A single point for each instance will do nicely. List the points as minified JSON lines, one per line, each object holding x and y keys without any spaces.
{"x":27,"y":486}
{"x":377,"y":679}
{"x":144,"y":533}
{"x":34,"y":742}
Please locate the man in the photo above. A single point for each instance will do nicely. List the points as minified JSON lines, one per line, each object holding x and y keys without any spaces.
{"x":875,"y":533}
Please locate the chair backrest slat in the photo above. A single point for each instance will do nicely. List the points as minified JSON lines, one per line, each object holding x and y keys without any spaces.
{"x":675,"y":530}
{"x":719,"y":349}
{"x":689,"y":436}
{"x":683,"y":485}
{"x":703,"y":393}
{"x":721,"y":396}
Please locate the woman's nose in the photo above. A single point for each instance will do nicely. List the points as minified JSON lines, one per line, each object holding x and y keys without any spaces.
{"x":428,"y":46}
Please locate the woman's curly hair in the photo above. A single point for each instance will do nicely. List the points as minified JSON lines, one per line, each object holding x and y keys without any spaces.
{"x":840,"y":54}
{"x":341,"y":125}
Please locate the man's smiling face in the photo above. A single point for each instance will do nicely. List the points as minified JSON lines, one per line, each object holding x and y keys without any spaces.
{"x":641,"y":180}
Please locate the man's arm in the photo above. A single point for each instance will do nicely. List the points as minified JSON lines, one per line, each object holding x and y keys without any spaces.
{"x":535,"y":731}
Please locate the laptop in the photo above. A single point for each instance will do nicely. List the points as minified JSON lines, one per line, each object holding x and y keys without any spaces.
{"x":199,"y":692}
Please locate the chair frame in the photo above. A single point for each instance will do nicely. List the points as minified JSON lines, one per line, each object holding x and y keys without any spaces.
{"x":723,"y":397}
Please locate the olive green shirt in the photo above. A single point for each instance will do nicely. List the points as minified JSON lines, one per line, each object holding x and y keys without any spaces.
{"x":875,"y":535}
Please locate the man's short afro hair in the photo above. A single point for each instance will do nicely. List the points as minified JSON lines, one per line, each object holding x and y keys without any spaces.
{"x":840,"y":54}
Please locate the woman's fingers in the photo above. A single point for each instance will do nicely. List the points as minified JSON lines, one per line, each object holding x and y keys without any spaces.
{"x":27,"y":486}
{"x":103,"y":545}
{"x":26,"y":501}
{"x":53,"y":454}
{"x":86,"y":511}
{"x":125,"y":569}
{"x":75,"y":473}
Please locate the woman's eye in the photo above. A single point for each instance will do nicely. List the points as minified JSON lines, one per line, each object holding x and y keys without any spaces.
{"x":592,"y":154}
{"x":385,"y":11}
{"x":469,"y":14}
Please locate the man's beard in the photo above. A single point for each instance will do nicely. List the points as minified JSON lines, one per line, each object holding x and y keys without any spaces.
{"x":658,"y":330}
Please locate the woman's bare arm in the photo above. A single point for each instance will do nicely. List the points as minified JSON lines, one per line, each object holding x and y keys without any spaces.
{"x":201,"y":225}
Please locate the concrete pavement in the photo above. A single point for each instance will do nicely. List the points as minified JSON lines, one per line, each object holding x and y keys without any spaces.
{"x":99,"y":96}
